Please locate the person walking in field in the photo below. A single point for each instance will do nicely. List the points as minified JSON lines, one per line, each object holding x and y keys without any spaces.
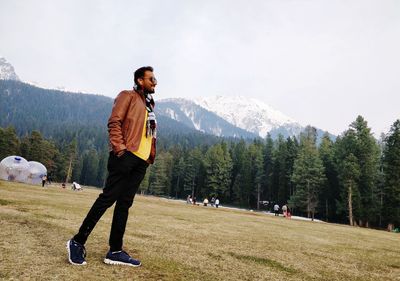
{"x":216,"y":203}
{"x":132,"y":137}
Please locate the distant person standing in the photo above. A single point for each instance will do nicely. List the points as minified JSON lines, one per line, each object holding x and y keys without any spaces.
{"x":288,"y":213}
{"x":132,"y":136}
{"x":44,"y":178}
{"x":213,"y":201}
{"x":205,"y":202}
{"x":284,"y":210}
{"x":276,"y":209}
{"x":216,"y":203}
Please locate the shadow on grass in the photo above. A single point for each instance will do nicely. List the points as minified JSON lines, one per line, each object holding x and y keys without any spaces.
{"x":264,"y":261}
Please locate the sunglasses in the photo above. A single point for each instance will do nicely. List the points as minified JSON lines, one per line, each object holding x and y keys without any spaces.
{"x":152,"y":79}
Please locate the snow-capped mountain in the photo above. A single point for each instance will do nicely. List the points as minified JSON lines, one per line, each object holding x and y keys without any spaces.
{"x":231,"y":117}
{"x":7,"y":71}
{"x":194,"y":116}
{"x":249,"y":114}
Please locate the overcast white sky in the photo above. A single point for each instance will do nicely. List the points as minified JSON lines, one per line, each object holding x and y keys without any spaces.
{"x":319,"y":62}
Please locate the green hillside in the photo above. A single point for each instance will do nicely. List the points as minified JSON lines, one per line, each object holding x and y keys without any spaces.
{"x":28,"y":108}
{"x":58,"y":114}
{"x":176,"y":241}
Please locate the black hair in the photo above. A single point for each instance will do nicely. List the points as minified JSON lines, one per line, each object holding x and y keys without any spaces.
{"x":139,"y":73}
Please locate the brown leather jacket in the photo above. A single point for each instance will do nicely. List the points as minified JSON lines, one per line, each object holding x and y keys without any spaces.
{"x":125,"y":125}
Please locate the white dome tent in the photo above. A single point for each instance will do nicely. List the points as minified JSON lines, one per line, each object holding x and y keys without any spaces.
{"x":17,"y":168}
{"x":35,"y":172}
{"x":13,"y":168}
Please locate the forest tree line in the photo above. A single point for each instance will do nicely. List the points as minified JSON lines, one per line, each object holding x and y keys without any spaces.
{"x":353,"y":179}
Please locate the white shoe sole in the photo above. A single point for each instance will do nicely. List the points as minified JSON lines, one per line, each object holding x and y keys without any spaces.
{"x":69,"y":256}
{"x":108,"y":261}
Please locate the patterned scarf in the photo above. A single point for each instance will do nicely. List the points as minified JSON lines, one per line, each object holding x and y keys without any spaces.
{"x":151,"y":117}
{"x":151,"y":124}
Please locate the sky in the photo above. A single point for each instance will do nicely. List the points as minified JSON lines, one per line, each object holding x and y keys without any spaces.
{"x":321,"y":62}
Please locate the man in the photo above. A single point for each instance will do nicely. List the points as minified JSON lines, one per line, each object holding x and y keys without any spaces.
{"x":132,"y":135}
{"x":44,"y":178}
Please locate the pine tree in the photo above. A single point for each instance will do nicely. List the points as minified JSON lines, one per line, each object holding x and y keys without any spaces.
{"x":36,"y":148}
{"x":218,"y":164}
{"x":280,"y":183}
{"x":179,"y":173}
{"x":330,"y":191}
{"x":391,"y":168}
{"x":238,"y":151}
{"x":193,"y":172}
{"x":381,"y":179}
{"x":90,"y":168}
{"x":349,"y":175}
{"x":102,"y":168}
{"x":257,"y":168}
{"x":61,"y":167}
{"x":71,"y":155}
{"x":345,"y":147}
{"x":32,"y":147}
{"x":160,"y":178}
{"x":246,"y":184}
{"x":144,"y":185}
{"x":77,"y":170}
{"x":292,"y":152}
{"x":367,"y":153}
{"x":268,"y":168}
{"x":308,"y":175}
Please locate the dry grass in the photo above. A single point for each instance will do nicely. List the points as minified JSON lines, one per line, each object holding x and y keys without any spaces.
{"x":180,"y":242}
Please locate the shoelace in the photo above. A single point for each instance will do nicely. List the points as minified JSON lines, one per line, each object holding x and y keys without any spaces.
{"x":126,"y":254}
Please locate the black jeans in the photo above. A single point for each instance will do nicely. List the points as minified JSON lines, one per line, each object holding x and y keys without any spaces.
{"x":125,"y":174}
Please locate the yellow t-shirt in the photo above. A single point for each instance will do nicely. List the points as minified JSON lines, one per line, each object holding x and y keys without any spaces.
{"x":145,"y":143}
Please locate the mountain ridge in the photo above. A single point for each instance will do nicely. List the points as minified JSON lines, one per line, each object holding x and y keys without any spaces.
{"x":240,"y":116}
{"x":196,"y":117}
{"x":237,"y":116}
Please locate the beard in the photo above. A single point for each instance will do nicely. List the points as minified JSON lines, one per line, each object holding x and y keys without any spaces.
{"x":148,"y":91}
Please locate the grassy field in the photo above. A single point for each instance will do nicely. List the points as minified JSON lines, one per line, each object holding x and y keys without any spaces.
{"x":176,"y":241}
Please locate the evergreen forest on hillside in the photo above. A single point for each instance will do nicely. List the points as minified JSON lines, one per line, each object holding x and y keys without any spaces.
{"x":353,"y":179}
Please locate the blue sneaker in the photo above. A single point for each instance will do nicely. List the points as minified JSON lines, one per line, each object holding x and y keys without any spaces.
{"x":76,"y":253}
{"x":122,"y":258}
